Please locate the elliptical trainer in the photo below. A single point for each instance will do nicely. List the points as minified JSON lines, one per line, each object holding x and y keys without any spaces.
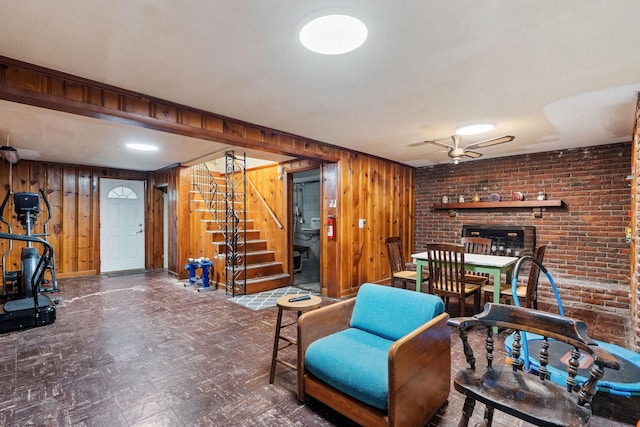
{"x":25,"y":305}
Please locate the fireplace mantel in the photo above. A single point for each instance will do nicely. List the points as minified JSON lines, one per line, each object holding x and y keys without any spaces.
{"x":537,"y":205}
{"x":500,"y":205}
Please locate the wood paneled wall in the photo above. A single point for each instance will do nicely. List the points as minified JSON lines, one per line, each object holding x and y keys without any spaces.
{"x":378,"y":191}
{"x":73,"y":192}
{"x":270,"y":186}
{"x":363,"y":187}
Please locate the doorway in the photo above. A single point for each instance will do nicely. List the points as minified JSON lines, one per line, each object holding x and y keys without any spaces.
{"x":306,"y":229}
{"x":121,"y":225}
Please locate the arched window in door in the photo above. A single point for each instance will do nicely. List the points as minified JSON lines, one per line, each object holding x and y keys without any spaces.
{"x":122,"y":193}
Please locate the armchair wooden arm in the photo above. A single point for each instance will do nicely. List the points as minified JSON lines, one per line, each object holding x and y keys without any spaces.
{"x":420,"y":373}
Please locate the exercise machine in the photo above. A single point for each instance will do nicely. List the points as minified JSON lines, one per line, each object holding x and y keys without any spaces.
{"x":25,"y":305}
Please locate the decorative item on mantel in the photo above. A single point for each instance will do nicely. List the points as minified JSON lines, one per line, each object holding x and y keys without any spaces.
{"x":475,"y":198}
{"x":445,"y":199}
{"x":541,"y":196}
{"x":494,"y":197}
{"x":517,"y":196}
{"x":461,"y":198}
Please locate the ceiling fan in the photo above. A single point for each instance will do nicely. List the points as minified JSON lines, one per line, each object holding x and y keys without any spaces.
{"x":456,"y":152}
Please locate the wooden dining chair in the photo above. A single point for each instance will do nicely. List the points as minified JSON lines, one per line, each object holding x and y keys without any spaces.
{"x":447,"y":275}
{"x":400,"y":272}
{"x":527,"y":293}
{"x":476,"y":245}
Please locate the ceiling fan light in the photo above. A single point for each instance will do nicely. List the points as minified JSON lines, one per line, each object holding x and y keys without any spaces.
{"x":475,"y":129}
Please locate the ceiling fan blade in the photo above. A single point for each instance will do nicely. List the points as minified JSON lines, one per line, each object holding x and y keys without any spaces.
{"x":489,"y":142}
{"x":472,"y":154}
{"x":417,"y":144}
{"x":441,"y":143}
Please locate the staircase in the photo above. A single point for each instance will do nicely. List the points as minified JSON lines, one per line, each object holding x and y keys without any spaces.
{"x":232,"y":232}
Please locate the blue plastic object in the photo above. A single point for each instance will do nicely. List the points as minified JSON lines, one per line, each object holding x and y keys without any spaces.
{"x":206,"y":265}
{"x":626,"y":357}
{"x":192,"y":266}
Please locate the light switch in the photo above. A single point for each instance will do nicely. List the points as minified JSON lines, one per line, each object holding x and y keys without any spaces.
{"x":361,"y":222}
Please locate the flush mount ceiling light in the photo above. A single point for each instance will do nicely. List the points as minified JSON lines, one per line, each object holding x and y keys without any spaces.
{"x":333,"y":34}
{"x":475,"y":129}
{"x":142,"y":147}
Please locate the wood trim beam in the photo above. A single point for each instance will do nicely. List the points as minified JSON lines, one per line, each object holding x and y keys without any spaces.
{"x":41,"y":87}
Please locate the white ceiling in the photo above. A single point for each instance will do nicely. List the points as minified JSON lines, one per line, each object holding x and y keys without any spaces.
{"x":556,"y":74}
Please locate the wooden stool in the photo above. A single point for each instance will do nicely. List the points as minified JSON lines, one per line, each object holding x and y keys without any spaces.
{"x":283,"y":303}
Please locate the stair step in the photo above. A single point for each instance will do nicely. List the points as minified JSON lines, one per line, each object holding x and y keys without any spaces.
{"x":218,"y":235}
{"x":213,"y":225}
{"x":254,"y":257}
{"x":252,"y":246}
{"x":265,"y":269}
{"x":267,"y":278}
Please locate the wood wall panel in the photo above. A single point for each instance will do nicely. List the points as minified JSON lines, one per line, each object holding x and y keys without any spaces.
{"x":74,"y":232}
{"x":272,"y":189}
{"x":67,"y":255}
{"x":372,"y":189}
{"x":85,"y":257}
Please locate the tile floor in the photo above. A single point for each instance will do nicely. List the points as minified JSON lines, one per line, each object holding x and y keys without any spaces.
{"x":309,"y":277}
{"x":143,"y":350}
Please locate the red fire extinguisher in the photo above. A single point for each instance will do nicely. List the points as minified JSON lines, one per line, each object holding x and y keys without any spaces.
{"x":331,"y":232}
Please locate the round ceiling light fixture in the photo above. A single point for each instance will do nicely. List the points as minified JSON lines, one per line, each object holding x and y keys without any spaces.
{"x":333,"y":34}
{"x":142,"y":147}
{"x":475,"y":129}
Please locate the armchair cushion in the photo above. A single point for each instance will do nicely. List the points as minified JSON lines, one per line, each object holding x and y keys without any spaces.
{"x":387,"y":313}
{"x":354,"y":362}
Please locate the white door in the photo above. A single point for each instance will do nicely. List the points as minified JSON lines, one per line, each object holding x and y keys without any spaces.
{"x":121,"y":224}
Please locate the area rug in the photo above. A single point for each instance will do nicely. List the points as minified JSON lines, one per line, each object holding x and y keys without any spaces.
{"x":268,"y":299}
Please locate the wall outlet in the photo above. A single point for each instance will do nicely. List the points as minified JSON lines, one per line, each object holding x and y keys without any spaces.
{"x":361,"y":222}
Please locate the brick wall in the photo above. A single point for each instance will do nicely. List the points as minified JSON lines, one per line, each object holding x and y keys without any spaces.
{"x":587,"y":254}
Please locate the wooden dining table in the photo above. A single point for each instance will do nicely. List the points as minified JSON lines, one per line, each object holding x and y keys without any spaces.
{"x":495,"y":265}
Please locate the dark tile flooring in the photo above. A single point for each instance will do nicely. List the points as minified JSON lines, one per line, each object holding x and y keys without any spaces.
{"x":143,"y":350}
{"x":309,"y":276}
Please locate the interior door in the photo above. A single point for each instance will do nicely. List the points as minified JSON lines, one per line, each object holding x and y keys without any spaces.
{"x":121,"y":224}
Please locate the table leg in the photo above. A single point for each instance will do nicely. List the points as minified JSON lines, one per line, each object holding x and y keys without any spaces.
{"x":418,"y":276}
{"x":496,"y":286}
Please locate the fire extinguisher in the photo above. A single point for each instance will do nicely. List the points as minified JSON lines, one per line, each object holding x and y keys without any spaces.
{"x":331,"y":232}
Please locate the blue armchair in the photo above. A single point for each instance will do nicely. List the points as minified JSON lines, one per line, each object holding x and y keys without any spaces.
{"x":382,"y":358}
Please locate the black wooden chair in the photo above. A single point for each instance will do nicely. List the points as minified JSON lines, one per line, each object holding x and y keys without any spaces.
{"x":529,"y":397}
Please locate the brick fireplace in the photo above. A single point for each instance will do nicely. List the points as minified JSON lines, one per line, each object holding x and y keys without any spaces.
{"x":509,"y":240}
